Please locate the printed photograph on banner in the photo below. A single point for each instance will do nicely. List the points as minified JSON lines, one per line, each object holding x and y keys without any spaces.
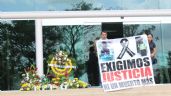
{"x":106,"y":51}
{"x":141,"y":45}
{"x":126,"y":49}
{"x":131,"y":65}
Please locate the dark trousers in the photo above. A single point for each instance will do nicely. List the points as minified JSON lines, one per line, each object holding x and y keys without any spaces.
{"x":94,"y":79}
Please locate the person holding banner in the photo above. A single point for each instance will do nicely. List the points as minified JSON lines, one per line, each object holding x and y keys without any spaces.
{"x":153,"y":49}
{"x":93,"y":67}
{"x":103,"y":35}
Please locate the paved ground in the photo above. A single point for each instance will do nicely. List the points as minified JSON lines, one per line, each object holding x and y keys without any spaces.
{"x":156,"y":90}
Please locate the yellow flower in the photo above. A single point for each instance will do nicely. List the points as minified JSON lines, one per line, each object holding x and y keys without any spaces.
{"x":82,"y":84}
{"x":25,"y":85}
{"x":38,"y":87}
{"x":76,"y":79}
{"x":21,"y":89}
{"x":78,"y":85}
{"x":27,"y":89}
{"x":44,"y":87}
{"x":61,"y":58}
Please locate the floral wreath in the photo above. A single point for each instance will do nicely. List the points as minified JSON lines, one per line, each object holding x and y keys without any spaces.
{"x":61,"y":64}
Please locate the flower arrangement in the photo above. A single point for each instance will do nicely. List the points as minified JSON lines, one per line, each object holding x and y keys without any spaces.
{"x":31,"y":81}
{"x":61,"y":66}
{"x":75,"y":83}
{"x":58,"y":80}
{"x":30,"y":78}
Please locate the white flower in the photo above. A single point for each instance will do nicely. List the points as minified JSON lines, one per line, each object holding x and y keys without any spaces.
{"x":65,"y":83}
{"x":65,"y":58}
{"x":73,"y":81}
{"x":60,"y":53}
{"x":22,"y":81}
{"x":59,"y":62}
{"x":77,"y":85}
{"x":34,"y":74}
{"x":59,"y":59}
{"x":23,"y":75}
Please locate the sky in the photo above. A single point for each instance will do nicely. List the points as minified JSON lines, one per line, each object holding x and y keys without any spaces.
{"x":59,"y":5}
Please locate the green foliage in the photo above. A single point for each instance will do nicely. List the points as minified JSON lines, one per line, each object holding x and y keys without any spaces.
{"x":75,"y":83}
{"x":130,"y":30}
{"x":83,"y":5}
{"x":17,"y":48}
{"x":50,"y":58}
{"x":169,"y":59}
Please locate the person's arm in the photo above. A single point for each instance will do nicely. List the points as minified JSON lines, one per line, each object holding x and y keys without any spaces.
{"x":154,"y":52}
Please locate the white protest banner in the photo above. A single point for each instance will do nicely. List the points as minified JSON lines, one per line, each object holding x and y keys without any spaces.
{"x":125,"y":63}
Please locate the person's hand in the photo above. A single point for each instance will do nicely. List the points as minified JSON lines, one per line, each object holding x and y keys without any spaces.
{"x":152,"y":55}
